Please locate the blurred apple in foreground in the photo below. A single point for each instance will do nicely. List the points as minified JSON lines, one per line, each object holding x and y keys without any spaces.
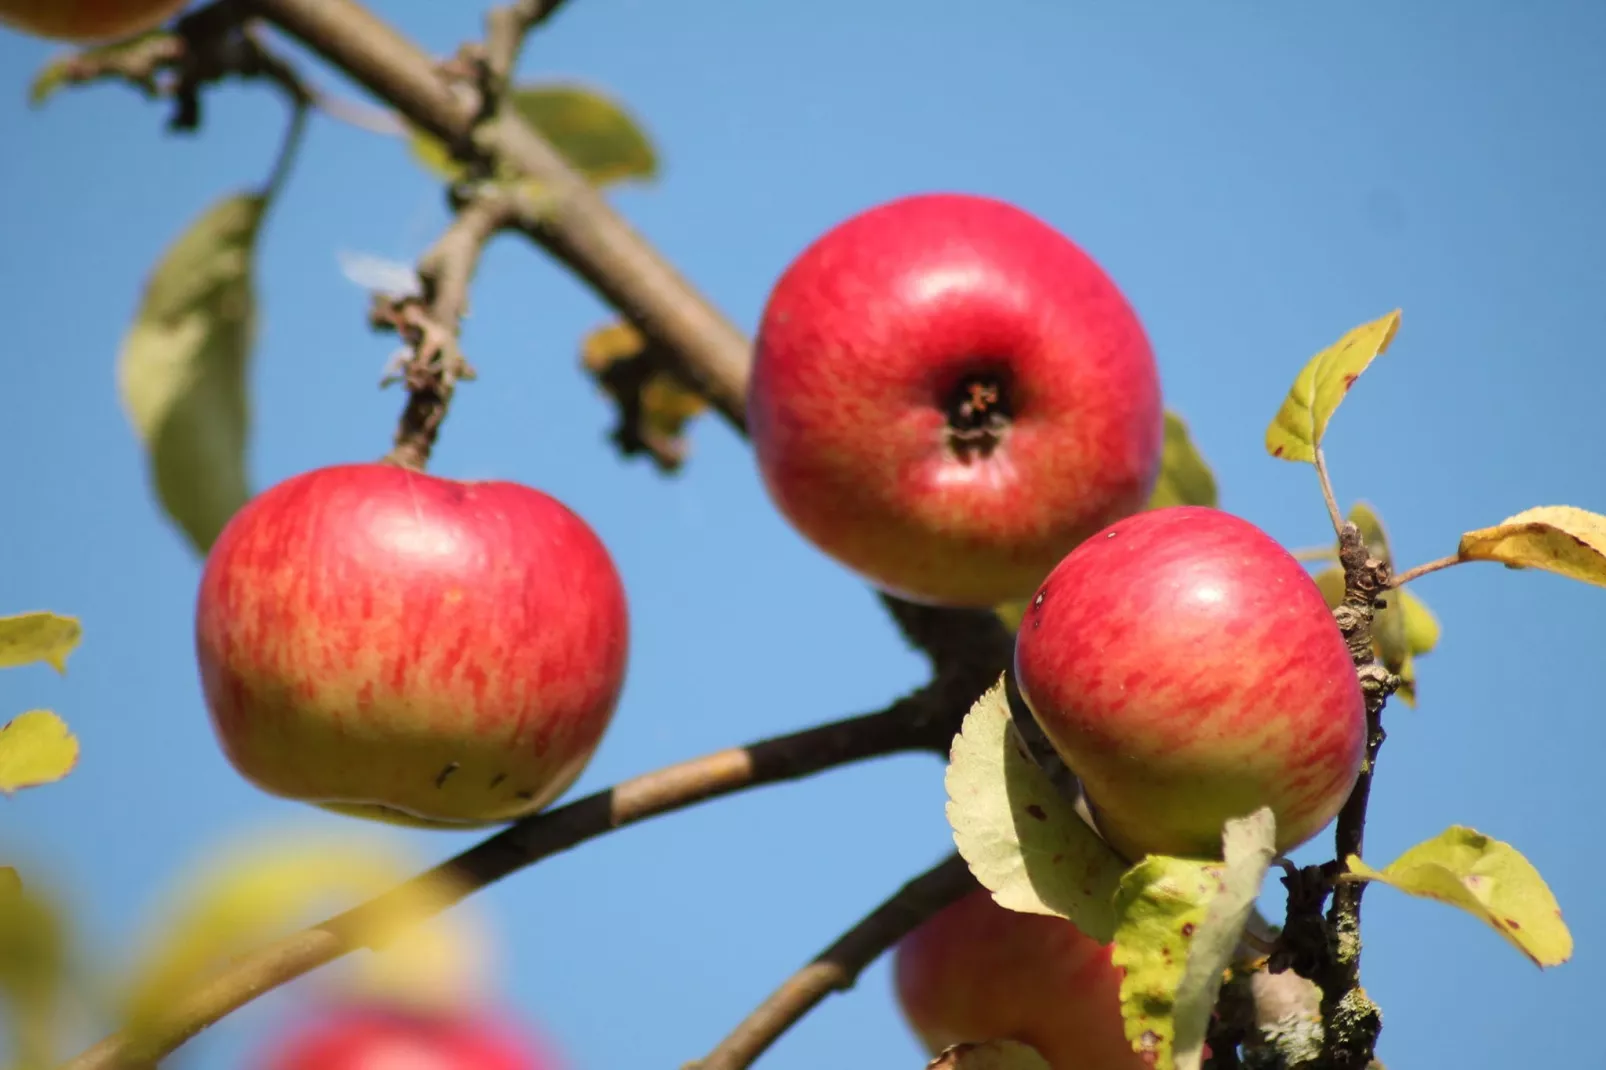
{"x":400,"y":646}
{"x":948,"y":395}
{"x":87,"y":21}
{"x":378,"y":1037}
{"x":1189,"y":671}
{"x":976,"y":971}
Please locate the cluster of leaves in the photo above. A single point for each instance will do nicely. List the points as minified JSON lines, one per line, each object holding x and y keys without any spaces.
{"x":1178,"y":925}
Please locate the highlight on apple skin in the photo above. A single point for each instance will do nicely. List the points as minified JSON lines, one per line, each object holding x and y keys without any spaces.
{"x":976,"y":971}
{"x":1189,"y":671}
{"x":379,"y":1037}
{"x":87,"y":21}
{"x":409,"y":648}
{"x":948,"y":395}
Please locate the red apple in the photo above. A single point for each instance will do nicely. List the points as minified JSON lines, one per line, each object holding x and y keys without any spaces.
{"x":87,"y":21}
{"x":1189,"y":671}
{"x":396,"y":645}
{"x":976,"y":971}
{"x":382,"y":1038}
{"x":948,"y":395}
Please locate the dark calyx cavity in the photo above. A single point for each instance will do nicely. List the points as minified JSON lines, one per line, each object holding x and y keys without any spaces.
{"x":979,"y":412}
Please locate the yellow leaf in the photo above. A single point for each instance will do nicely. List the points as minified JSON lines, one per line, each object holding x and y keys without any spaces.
{"x":1489,"y":880}
{"x":127,"y":53}
{"x":1421,"y":626}
{"x":1406,"y":692}
{"x":30,"y":637}
{"x":1022,"y":839}
{"x":991,"y":1055}
{"x":1296,"y":431}
{"x":35,"y":748}
{"x":1562,"y":539}
{"x":654,"y":405}
{"x":1011,"y":613}
{"x":182,"y":367}
{"x":1185,"y":478}
{"x":33,"y":969}
{"x":262,"y":891}
{"x":591,"y":131}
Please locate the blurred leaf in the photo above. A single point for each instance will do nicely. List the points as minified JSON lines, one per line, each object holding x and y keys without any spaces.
{"x":1021,"y":838}
{"x":1185,"y":478}
{"x":1406,"y":692}
{"x":1489,"y":880}
{"x":591,"y":131}
{"x":992,"y":1055}
{"x":654,"y":404}
{"x":261,"y":892}
{"x":43,"y":636}
{"x":33,"y":969}
{"x":182,"y":369}
{"x":125,"y":56}
{"x":1011,"y":613}
{"x":1421,"y":627}
{"x":1296,"y":431}
{"x":35,"y":748}
{"x":1562,"y":539}
{"x":1178,"y":923}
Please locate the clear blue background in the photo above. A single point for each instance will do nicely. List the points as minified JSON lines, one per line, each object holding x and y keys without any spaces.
{"x":1257,"y":178}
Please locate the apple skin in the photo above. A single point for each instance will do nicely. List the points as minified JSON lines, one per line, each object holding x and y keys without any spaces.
{"x":372,"y":1037}
{"x":399,"y":646}
{"x":863,"y":344}
{"x":1189,"y":671}
{"x":87,"y":21}
{"x":976,"y":971}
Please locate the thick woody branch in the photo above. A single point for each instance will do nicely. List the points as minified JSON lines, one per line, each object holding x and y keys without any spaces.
{"x":923,"y":721}
{"x":579,"y":227}
{"x":838,"y":966}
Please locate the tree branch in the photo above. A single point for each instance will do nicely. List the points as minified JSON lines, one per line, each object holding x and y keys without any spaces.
{"x":925,"y":720}
{"x":838,"y":966}
{"x":579,"y":227}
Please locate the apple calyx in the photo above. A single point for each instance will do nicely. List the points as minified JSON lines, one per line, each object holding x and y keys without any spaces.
{"x":979,"y":410}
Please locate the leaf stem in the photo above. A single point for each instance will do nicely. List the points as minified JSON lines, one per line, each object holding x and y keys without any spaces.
{"x":1422,"y":570}
{"x":1327,"y":491}
{"x":837,"y":967}
{"x":289,"y":149}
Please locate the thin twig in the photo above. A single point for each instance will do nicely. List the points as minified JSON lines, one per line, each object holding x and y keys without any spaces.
{"x":838,"y":966}
{"x":506,"y":29}
{"x":430,"y":322}
{"x":1422,"y":570}
{"x":925,"y":720}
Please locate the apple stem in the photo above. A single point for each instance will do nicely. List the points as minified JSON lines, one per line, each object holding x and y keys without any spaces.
{"x":837,"y":967}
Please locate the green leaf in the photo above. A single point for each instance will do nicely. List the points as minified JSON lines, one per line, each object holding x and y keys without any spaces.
{"x":257,"y":892}
{"x":1185,"y":478}
{"x":1562,"y":539}
{"x":1421,"y":626}
{"x":1010,"y":614}
{"x":1178,"y":923}
{"x":30,"y":637}
{"x":589,"y":129}
{"x":33,"y":969}
{"x":1295,"y":433}
{"x":991,"y":1055}
{"x":1489,"y":880}
{"x":182,"y":368}
{"x":35,"y":748}
{"x":1021,"y":838}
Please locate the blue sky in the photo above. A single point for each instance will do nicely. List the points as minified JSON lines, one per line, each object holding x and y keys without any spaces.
{"x":1257,"y":178}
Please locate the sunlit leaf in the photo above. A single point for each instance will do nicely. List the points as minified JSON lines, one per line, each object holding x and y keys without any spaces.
{"x":1178,"y":924}
{"x":593,"y":132}
{"x":35,"y":748}
{"x":990,"y":1055}
{"x":1010,"y":614}
{"x":182,"y":369}
{"x":1488,"y":879}
{"x":654,"y":405}
{"x":1185,"y":478}
{"x":1020,"y":836}
{"x":43,"y":636}
{"x":1562,"y":539}
{"x":1421,"y":626}
{"x":1296,"y":431}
